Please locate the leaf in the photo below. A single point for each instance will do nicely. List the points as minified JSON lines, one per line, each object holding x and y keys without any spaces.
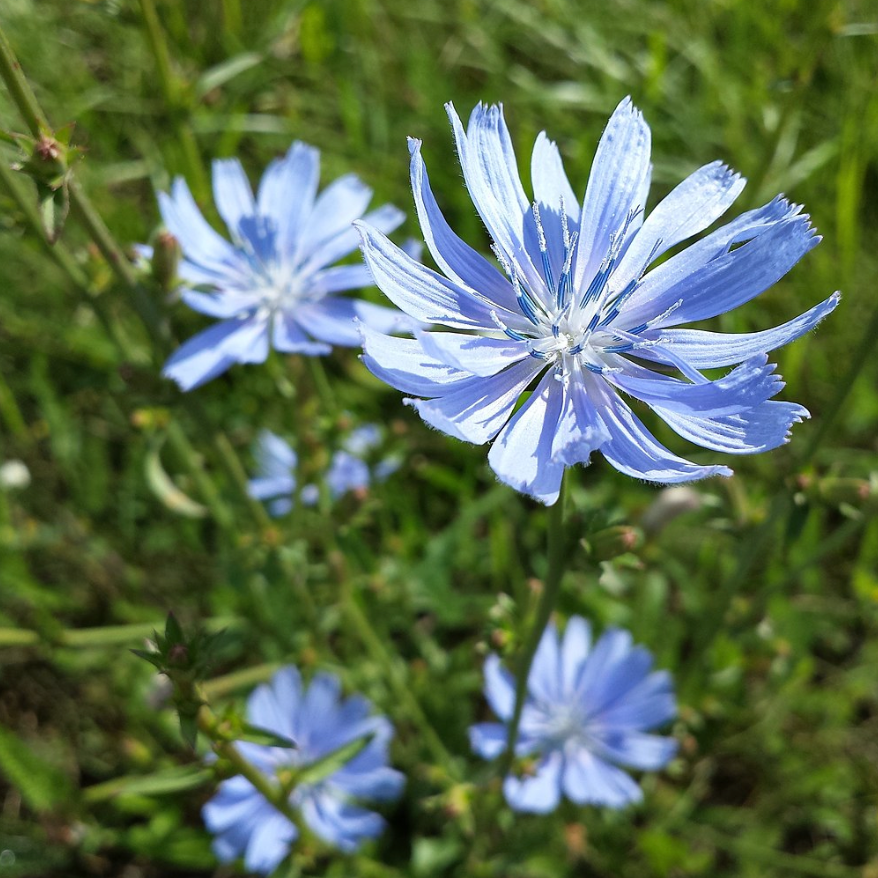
{"x":225,"y":72}
{"x":166,"y":491}
{"x":42,"y":786}
{"x":54,"y":204}
{"x":257,"y":735}
{"x":171,"y":780}
{"x":329,"y":764}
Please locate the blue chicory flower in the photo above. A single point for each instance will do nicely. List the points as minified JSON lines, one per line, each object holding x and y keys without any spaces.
{"x":275,"y":481}
{"x":575,"y":312}
{"x":318,"y":721}
{"x":587,"y":712}
{"x":271,"y":285}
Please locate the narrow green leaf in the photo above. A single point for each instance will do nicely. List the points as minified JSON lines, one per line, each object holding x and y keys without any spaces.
{"x":42,"y":786}
{"x":257,"y":735}
{"x":225,"y":72}
{"x":166,"y":491}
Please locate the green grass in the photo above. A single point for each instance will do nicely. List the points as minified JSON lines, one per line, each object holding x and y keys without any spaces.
{"x":763,"y":602}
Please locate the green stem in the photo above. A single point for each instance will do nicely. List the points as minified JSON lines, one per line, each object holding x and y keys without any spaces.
{"x":862,"y":354}
{"x":236,"y":471}
{"x":395,"y":676}
{"x":20,"y":90}
{"x":171,"y":93}
{"x":220,"y":686}
{"x":548,"y":599}
{"x":110,"y":635}
{"x":210,"y":727}
{"x":63,"y":258}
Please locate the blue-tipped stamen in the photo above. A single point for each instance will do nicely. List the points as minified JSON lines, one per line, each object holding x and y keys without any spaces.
{"x":544,"y":250}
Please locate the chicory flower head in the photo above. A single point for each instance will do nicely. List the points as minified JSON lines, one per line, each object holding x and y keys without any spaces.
{"x":574,"y":311}
{"x":318,"y":721}
{"x":587,"y":711}
{"x":349,"y":470}
{"x":271,"y":285}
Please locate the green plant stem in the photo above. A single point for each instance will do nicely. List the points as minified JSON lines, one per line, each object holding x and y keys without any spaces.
{"x":232,"y":464}
{"x":862,"y":355}
{"x":209,"y":726}
{"x":220,"y":686}
{"x":395,"y":677}
{"x":81,"y":638}
{"x":19,"y":89}
{"x":171,"y":93}
{"x":548,"y":599}
{"x":63,"y":258}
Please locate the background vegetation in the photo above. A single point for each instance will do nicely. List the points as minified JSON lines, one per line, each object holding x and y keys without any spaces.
{"x":762,"y":601}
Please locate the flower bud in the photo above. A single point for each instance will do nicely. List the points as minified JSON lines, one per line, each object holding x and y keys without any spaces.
{"x":612,"y":541}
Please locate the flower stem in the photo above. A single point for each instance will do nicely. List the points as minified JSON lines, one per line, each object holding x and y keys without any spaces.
{"x":551,"y":589}
{"x":210,"y":727}
{"x":19,"y":89}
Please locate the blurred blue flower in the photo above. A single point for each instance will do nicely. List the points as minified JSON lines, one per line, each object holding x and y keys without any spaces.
{"x":271,"y":285}
{"x":587,"y":712}
{"x":319,"y":721}
{"x":575,"y":312}
{"x":275,"y":481}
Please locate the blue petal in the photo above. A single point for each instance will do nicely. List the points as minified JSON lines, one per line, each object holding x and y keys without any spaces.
{"x":741,"y":390}
{"x":475,"y":410}
{"x":725,"y":282}
{"x":286,"y":193}
{"x":222,"y":305}
{"x":270,"y":843}
{"x":236,"y":802}
{"x":491,"y":174}
{"x":552,"y":191}
{"x":636,"y":749}
{"x":266,"y":487}
{"x":208,"y":354}
{"x":762,"y":428}
{"x":340,"y":278}
{"x":274,"y":456}
{"x":580,"y":428}
{"x":289,"y":338}
{"x":615,"y":188}
{"x":318,"y":708}
{"x":419,"y":291}
{"x":346,"y":473}
{"x":340,"y":824}
{"x":691,"y":207}
{"x":402,"y":363}
{"x":649,"y":704}
{"x":574,"y":651}
{"x":521,"y":456}
{"x":458,"y":260}
{"x":473,"y":353}
{"x":280,"y":507}
{"x":385,"y":219}
{"x":199,"y":241}
{"x":334,"y":320}
{"x":539,"y":794}
{"x":488,"y":740}
{"x":337,"y":206}
{"x":635,"y":452}
{"x":544,"y":681}
{"x":232,"y":193}
{"x":499,"y":687}
{"x":706,"y":350}
{"x":266,"y":711}
{"x":589,"y":780}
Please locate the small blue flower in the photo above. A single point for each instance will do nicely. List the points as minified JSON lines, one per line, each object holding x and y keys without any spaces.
{"x":271,"y":287}
{"x":319,"y":721}
{"x":574,"y":312}
{"x":587,"y":711}
{"x":275,"y":473}
{"x":275,"y":481}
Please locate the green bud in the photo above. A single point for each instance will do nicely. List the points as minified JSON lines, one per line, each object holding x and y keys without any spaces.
{"x":613,"y":541}
{"x":165,"y":260}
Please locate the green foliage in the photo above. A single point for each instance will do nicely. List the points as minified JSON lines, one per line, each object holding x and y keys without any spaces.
{"x":761,"y":597}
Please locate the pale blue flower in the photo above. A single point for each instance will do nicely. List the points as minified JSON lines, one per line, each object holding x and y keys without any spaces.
{"x":574,"y":315}
{"x":275,"y":480}
{"x":319,"y":721}
{"x":272,"y":285}
{"x":588,"y":711}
